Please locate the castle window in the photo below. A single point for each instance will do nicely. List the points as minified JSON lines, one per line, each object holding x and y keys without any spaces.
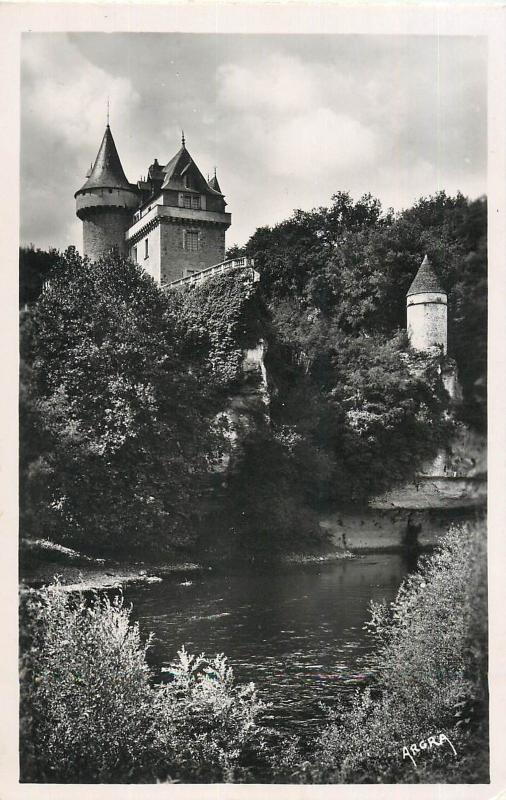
{"x":191,"y":240}
{"x":146,"y":248}
{"x":187,"y":200}
{"x":195,"y":201}
{"x":134,"y":254}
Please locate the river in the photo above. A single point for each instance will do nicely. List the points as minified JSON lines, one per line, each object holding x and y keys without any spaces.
{"x":297,"y":633}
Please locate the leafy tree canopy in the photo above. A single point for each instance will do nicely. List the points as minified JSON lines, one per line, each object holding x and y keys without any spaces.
{"x":123,"y":384}
{"x":117,"y":417}
{"x":353,"y":263}
{"x":34,"y":269}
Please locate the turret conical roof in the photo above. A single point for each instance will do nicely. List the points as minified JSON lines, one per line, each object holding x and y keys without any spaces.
{"x":425,"y":280}
{"x":107,"y":171}
{"x":213,"y":183}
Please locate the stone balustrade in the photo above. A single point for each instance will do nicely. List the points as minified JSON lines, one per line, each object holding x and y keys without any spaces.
{"x":216,"y":269}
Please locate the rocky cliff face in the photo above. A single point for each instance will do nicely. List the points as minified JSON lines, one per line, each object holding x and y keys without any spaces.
{"x":449,"y":489}
{"x":376,"y":529}
{"x":252,"y":399}
{"x":456,"y":478}
{"x":451,"y":484}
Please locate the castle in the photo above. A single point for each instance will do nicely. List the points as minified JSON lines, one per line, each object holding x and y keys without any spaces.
{"x":173,"y":224}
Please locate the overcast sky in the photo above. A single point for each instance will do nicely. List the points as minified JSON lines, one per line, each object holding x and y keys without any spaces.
{"x":288,"y":120}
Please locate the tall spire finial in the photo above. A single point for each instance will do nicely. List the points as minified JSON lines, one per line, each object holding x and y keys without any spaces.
{"x":215,"y":172}
{"x":182,"y":138}
{"x":107,"y":110}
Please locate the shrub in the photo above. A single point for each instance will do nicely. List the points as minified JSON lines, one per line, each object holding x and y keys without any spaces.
{"x":431,"y":678}
{"x":90,"y":711}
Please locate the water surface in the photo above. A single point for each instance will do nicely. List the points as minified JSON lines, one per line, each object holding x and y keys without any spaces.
{"x":298,"y":634}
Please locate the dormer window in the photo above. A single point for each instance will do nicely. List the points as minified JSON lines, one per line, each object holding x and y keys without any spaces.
{"x":192,"y":201}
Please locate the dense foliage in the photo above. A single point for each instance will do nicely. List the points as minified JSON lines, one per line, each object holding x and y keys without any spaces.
{"x":35,"y":266}
{"x":220,"y":319}
{"x":431,"y":678}
{"x":90,"y":712}
{"x":352,"y":264}
{"x":128,"y":392}
{"x":118,"y":429}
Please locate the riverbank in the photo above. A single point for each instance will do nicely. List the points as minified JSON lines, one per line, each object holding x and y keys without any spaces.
{"x":298,"y":645}
{"x":43,"y":562}
{"x":351,"y":533}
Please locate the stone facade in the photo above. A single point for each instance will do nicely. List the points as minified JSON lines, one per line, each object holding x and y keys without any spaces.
{"x":178,"y":262}
{"x":168,"y":258}
{"x":427,"y":321}
{"x":105,"y":229}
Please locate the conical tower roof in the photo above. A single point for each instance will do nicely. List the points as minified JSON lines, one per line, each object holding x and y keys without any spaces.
{"x":213,"y":184}
{"x":107,"y":171}
{"x":425,"y":280}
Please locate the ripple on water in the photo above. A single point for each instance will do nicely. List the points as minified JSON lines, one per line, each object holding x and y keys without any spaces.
{"x":299,"y":654}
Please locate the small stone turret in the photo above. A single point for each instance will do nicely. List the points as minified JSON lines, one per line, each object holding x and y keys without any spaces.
{"x":106,"y":202}
{"x":213,"y":183}
{"x":427,"y":310}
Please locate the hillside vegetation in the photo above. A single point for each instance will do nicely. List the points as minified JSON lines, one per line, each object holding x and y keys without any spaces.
{"x":124,"y":387}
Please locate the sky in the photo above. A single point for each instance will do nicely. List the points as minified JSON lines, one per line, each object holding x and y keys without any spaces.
{"x":288,"y":120}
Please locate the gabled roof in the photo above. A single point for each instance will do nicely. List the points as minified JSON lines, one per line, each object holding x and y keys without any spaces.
{"x":425,"y":280}
{"x":107,"y":171}
{"x":175,"y":170}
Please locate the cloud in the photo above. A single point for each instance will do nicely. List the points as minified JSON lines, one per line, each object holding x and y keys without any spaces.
{"x":63,"y":120}
{"x":288,"y":120}
{"x":61,"y":85}
{"x":279,"y":84}
{"x":313,"y":143}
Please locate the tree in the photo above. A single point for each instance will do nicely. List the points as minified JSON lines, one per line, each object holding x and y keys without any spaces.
{"x":126,"y":417}
{"x":354,"y":263}
{"x":34,"y":269}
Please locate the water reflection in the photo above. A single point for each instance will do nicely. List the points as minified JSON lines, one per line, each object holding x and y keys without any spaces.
{"x":297,"y":634}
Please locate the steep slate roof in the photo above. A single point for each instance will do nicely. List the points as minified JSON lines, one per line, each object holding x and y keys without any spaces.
{"x":107,"y":171}
{"x":214,"y":185}
{"x":177,"y":167}
{"x":425,"y":280}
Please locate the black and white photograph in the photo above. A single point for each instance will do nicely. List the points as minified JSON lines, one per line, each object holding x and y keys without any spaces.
{"x":253,"y":336}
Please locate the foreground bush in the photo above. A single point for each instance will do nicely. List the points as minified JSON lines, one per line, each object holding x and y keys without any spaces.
{"x":90,"y":712}
{"x":431,"y":679}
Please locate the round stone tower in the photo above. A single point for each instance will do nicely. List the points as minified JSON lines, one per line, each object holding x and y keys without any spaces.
{"x":427,"y":310}
{"x":106,"y":202}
